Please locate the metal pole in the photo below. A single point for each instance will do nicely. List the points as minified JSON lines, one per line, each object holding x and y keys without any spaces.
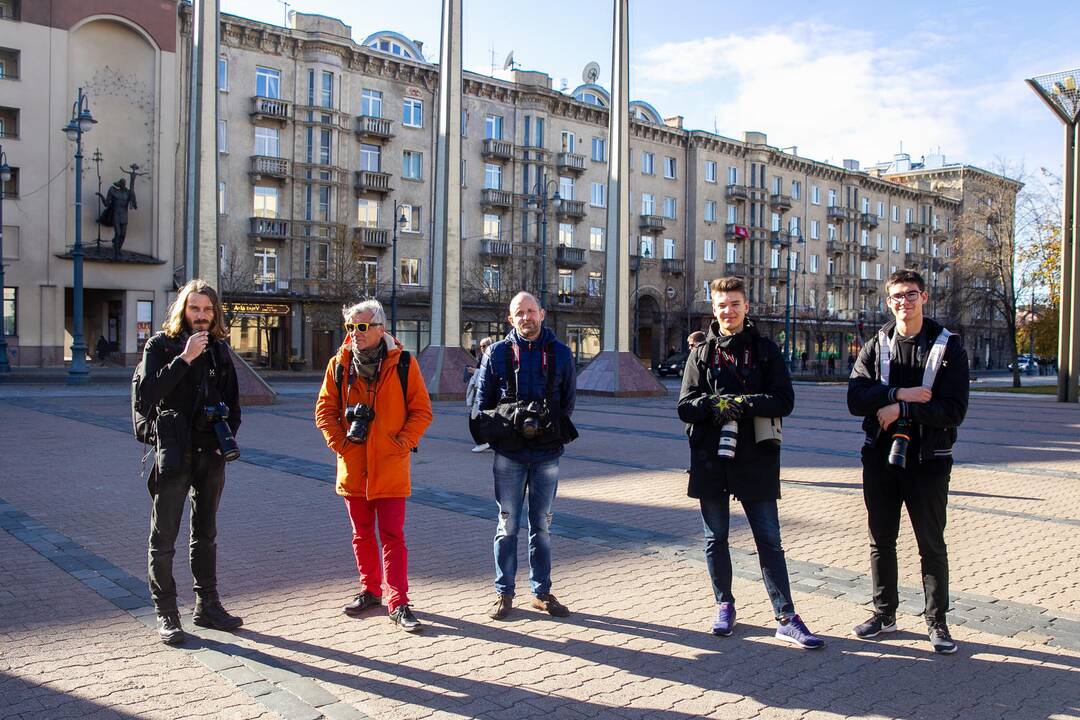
{"x":795,"y":315}
{"x":1073,"y":394}
{"x":1065,"y":371}
{"x":5,"y":367}
{"x":637,"y":274}
{"x":78,"y":374}
{"x":543,"y":248}
{"x":787,"y":310}
{"x":394,"y":275}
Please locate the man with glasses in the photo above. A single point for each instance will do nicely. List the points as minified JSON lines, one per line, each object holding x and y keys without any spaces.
{"x":372,"y":409}
{"x":910,"y":384}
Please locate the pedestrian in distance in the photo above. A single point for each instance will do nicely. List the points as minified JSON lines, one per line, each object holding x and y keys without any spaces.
{"x":694,"y":339}
{"x":471,"y":396}
{"x":736,"y":376}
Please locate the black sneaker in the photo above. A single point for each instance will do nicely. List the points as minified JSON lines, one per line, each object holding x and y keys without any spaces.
{"x":940,"y":638}
{"x":403,"y":617}
{"x":211,"y":614}
{"x":364,"y":601}
{"x":169,"y":629}
{"x":877,"y":624}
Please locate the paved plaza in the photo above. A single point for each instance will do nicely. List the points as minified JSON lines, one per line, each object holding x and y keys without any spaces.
{"x":75,"y":618}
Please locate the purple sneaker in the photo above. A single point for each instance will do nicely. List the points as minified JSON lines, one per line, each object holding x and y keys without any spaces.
{"x":725,"y":620}
{"x":795,"y":631}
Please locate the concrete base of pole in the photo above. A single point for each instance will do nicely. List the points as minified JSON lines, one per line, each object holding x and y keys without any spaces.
{"x":442,"y":368}
{"x":253,"y":389}
{"x":618,"y":374}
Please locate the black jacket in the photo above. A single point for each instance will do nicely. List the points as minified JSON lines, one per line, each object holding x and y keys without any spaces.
{"x":754,"y":473}
{"x":936,"y":420}
{"x":169,"y":380}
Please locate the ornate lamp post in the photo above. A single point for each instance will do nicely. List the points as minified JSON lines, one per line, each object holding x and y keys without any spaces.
{"x":5,"y":177}
{"x":81,"y":122}
{"x":399,"y":219}
{"x":539,"y":199}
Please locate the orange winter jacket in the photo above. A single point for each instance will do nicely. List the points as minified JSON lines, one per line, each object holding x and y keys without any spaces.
{"x":379,"y":468}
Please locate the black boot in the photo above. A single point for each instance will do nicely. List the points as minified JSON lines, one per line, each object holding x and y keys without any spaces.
{"x":209,"y":613}
{"x":169,"y":629}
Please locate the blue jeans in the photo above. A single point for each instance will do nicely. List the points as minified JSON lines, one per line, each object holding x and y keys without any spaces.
{"x":765,"y":524}
{"x":512,"y":481}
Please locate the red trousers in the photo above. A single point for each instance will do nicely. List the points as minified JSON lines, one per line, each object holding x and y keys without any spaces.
{"x":390,"y":513}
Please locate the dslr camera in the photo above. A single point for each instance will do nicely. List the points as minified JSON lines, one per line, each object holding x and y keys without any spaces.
{"x":531,"y":419}
{"x":901,"y":440}
{"x":214,"y":417}
{"x":359,"y":417}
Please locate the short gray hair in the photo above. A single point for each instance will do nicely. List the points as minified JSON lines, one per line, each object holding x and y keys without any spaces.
{"x":378,"y":315}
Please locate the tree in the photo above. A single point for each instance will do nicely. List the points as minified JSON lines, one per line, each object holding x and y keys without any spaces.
{"x":1039,"y":255}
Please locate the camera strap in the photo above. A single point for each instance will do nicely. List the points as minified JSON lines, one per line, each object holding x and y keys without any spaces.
{"x":547,"y":362}
{"x":722,"y":357}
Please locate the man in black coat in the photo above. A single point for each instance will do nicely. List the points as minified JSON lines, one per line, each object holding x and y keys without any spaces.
{"x":910,"y":384}
{"x":735,"y":376}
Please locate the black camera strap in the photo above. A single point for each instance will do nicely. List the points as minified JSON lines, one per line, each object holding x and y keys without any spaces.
{"x":741,"y":368}
{"x":513,"y":367}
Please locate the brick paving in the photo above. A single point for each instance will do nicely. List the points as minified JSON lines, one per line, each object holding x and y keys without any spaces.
{"x":73,"y":612}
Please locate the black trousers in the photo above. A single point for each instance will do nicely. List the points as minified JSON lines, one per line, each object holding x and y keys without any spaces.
{"x":924,"y":489}
{"x":202,"y":480}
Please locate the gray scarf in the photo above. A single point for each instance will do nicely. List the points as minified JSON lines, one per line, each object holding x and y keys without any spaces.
{"x":366,"y":362}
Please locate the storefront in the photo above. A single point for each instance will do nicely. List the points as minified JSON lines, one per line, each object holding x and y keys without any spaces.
{"x":260,"y":332}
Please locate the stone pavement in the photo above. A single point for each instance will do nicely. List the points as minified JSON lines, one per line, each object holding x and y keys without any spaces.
{"x":74,"y":610}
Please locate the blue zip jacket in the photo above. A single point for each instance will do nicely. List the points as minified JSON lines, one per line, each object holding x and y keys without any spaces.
{"x":492,"y":386}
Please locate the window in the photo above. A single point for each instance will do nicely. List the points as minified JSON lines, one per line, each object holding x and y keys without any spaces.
{"x":777,"y":185}
{"x":864,"y":238}
{"x":647,"y":248}
{"x":832,"y":198}
{"x":144,"y":320}
{"x":866,"y":205}
{"x":881,"y":209}
{"x":596,"y":239}
{"x":412,"y":165}
{"x":370,"y":157}
{"x":324,"y":147}
{"x":566,"y":188}
{"x":831,"y":232}
{"x":492,"y":227}
{"x":669,"y":248}
{"x":538,"y":133}
{"x":316,"y":260}
{"x":880,"y":241}
{"x":599,"y":149}
{"x":648,"y":204}
{"x":907,"y":245}
{"x":796,"y":189}
{"x":266,"y":142}
{"x":267,"y":82}
{"x":795,"y":226}
{"x":567,"y":141}
{"x":464,"y":122}
{"x":669,"y":167}
{"x":367,"y":213}
{"x":813,"y":263}
{"x":492,"y":279}
{"x":710,"y":171}
{"x":493,"y":127}
{"x":566,"y":234}
{"x":896,"y":213}
{"x":326,"y":89}
{"x":647,"y":160}
{"x":774,"y":222}
{"x":411,"y":213}
{"x":223,"y":136}
{"x":10,"y":306}
{"x":907,"y":215}
{"x":877,"y":271}
{"x":371,"y":103}
{"x":222,"y":74}
{"x":265,"y":201}
{"x":222,"y":205}
{"x":894,"y":245}
{"x":815,"y":230}
{"x":710,"y":251}
{"x":732,"y":214}
{"x":367,"y":272}
{"x":710,"y":211}
{"x":732,"y":176}
{"x":412,"y":113}
{"x":596,"y":282}
{"x":566,"y":286}
{"x":669,"y":207}
{"x":815,"y":195}
{"x":731,"y":254}
{"x":862,"y":270}
{"x":598,"y":196}
{"x":265,"y":269}
{"x":492,"y":176}
{"x":774,"y":258}
{"x":409,"y":271}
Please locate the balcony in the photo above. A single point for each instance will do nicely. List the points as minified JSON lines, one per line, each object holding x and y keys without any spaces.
{"x":867,"y":252}
{"x":835,"y":247}
{"x":673,"y":266}
{"x":651,"y":224}
{"x":492,"y":198}
{"x":778,"y":275}
{"x":836,"y":280}
{"x":372,"y":237}
{"x":869,"y":219}
{"x":736,"y":232}
{"x":912,"y":260}
{"x":837,"y":214}
{"x":735,"y":269}
{"x":780,"y":238}
{"x":867,"y":285}
{"x":370,"y":181}
{"x":264,"y":167}
{"x":569,"y":163}
{"x":268,"y":228}
{"x":413,"y":294}
{"x":270,"y":108}
{"x":735,"y":192}
{"x":569,"y":257}
{"x":320,"y":173}
{"x":496,"y":249}
{"x":497,"y":149}
{"x":374,"y":128}
{"x":780,"y":202}
{"x":572,"y":209}
{"x":914,"y":229}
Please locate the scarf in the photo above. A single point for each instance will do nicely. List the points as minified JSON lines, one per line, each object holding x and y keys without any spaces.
{"x":366,"y":363}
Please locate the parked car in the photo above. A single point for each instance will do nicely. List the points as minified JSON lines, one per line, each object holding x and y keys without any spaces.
{"x":1027,"y":363}
{"x":673,"y":365}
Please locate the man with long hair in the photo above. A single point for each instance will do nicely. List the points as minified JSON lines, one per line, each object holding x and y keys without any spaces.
{"x":189,"y":383}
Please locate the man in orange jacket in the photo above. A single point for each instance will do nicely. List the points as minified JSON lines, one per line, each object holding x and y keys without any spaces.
{"x":371,"y":418}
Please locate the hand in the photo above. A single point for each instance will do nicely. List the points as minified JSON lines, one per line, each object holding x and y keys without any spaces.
{"x":914,"y":394}
{"x":195,"y":346}
{"x":726,"y":408}
{"x":889,"y":414}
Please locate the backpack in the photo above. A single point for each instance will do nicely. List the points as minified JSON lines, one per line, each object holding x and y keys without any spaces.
{"x":143,"y":419}
{"x":402,"y":372}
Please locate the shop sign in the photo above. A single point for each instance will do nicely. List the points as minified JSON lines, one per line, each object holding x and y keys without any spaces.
{"x":255,"y":308}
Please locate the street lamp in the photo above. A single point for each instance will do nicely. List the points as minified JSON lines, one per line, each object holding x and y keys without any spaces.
{"x":795,"y":297}
{"x":1060,"y":93}
{"x":788,"y":293}
{"x":5,"y":177}
{"x":538,"y":198}
{"x":636,"y":267}
{"x":399,"y":219}
{"x":81,"y":122}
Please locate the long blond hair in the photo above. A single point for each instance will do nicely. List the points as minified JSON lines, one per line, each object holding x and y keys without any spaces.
{"x":174,"y":319}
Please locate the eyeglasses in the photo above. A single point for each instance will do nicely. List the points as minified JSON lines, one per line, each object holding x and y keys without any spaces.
{"x":360,"y":326}
{"x":911,"y":296}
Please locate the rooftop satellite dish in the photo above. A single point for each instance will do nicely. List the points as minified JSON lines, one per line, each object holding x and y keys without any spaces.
{"x":509,"y":63}
{"x":591,"y":72}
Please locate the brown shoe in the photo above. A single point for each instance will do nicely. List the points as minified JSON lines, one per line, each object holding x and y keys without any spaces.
{"x":501,"y":609}
{"x":550,"y":605}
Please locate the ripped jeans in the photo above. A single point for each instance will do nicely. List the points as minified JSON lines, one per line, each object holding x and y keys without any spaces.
{"x":512,"y":481}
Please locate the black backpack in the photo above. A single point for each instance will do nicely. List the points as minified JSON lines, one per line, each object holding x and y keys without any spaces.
{"x":143,"y":419}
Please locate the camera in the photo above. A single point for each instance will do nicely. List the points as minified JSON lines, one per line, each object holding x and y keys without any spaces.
{"x":359,"y":417}
{"x":901,"y":439}
{"x":532,"y":419}
{"x":729,"y":438}
{"x":214,"y":416}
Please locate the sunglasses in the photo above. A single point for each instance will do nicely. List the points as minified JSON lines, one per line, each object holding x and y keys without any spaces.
{"x":360,"y":326}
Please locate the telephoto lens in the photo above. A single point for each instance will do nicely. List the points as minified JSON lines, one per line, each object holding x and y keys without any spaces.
{"x":898,"y":449}
{"x":729,"y":437}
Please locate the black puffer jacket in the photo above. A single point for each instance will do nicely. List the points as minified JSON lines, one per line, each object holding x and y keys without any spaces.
{"x":754,"y":473}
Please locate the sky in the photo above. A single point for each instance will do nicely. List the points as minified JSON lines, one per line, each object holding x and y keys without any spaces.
{"x":836,"y":79}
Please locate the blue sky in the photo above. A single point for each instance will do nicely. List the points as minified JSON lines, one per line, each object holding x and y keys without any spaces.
{"x":836,"y":79}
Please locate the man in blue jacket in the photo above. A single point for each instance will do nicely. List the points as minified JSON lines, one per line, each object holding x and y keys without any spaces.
{"x":526,"y":388}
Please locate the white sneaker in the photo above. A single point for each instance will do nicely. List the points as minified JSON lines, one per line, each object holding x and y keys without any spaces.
{"x":481,"y":448}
